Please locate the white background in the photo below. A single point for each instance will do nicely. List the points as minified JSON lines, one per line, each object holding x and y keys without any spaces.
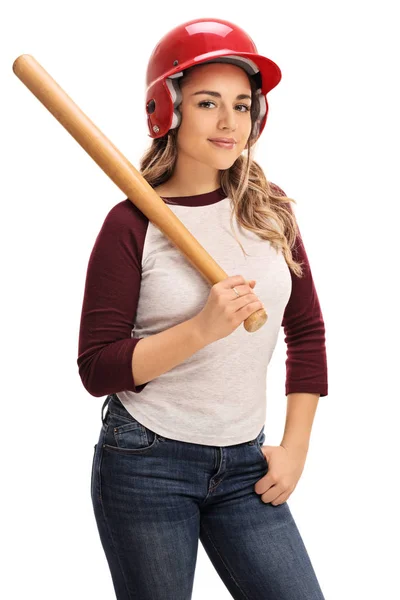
{"x":331,"y":142}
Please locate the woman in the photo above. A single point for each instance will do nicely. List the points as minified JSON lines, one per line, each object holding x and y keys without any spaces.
{"x":180,"y":455}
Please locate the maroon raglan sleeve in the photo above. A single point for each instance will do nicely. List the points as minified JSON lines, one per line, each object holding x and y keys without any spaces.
{"x":109,"y":304}
{"x":303,"y":324}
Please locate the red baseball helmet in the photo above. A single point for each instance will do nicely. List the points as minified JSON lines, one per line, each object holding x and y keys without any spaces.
{"x":192,"y":43}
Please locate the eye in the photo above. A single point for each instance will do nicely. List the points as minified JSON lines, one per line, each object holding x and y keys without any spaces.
{"x":210,"y":102}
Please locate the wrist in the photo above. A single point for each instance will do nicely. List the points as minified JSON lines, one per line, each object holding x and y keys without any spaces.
{"x":295,"y":447}
{"x":198,"y":331}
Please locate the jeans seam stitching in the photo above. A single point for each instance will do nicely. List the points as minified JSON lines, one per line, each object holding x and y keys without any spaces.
{"x":224,"y":563}
{"x":109,"y":530}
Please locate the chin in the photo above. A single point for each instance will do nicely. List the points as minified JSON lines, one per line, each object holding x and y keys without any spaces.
{"x":217,"y":160}
{"x":222,"y":165}
{"x":221,"y":161}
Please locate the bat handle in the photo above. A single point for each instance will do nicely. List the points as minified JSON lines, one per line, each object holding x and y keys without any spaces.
{"x":256,"y":320}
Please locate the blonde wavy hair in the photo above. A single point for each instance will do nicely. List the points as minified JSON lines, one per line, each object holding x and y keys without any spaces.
{"x":260,"y":206}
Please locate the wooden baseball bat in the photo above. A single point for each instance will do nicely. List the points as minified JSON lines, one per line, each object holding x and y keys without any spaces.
{"x":122,"y":172}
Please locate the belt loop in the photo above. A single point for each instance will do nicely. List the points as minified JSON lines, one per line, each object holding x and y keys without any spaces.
{"x":106,"y":401}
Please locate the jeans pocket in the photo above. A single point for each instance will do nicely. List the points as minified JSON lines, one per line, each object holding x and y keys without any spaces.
{"x":128,"y":436}
{"x":260,"y":439}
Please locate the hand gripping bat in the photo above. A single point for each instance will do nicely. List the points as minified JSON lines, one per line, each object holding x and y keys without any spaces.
{"x":122,"y":172}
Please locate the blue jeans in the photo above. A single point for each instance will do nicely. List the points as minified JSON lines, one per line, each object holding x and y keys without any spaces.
{"x":155,"y":497}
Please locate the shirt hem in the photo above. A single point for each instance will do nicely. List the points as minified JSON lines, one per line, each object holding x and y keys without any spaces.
{"x":176,"y":436}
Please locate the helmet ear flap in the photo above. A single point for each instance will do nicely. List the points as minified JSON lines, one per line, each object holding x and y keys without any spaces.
{"x":262,"y":112}
{"x":162,"y":107}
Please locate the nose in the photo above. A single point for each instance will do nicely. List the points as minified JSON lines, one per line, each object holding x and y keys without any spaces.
{"x":228,"y":119}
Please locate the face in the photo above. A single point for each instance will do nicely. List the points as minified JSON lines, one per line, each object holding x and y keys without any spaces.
{"x":224,"y":113}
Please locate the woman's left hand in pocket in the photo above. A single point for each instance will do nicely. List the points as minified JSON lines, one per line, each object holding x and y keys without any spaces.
{"x":285,"y":466}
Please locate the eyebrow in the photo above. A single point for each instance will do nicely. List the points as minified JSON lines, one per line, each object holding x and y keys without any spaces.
{"x":218,"y":95}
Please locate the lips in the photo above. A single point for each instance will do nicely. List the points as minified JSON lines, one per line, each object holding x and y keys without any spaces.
{"x":223,"y":139}
{"x":226,"y":145}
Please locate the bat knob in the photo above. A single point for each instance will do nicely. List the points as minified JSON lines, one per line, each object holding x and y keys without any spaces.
{"x":255,"y":321}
